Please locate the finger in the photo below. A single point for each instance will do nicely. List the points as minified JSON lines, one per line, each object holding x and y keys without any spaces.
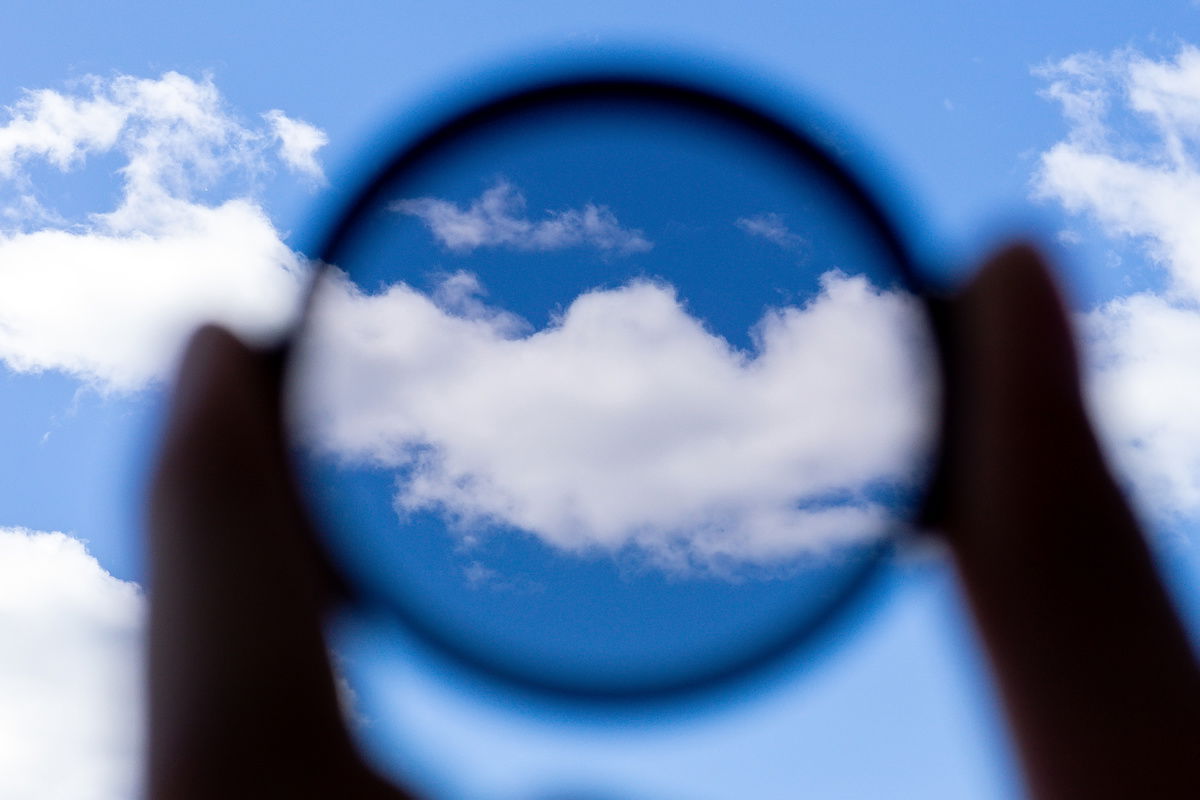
{"x":1019,"y":436}
{"x":242,"y":699}
{"x":1096,"y":671}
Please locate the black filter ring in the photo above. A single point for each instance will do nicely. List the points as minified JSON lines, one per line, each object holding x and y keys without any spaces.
{"x":626,"y":88}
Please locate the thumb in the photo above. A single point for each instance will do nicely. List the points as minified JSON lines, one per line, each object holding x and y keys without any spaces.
{"x":242,"y":700}
{"x":1020,"y":449}
{"x":1096,"y":672}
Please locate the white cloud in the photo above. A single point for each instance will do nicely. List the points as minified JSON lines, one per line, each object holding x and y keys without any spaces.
{"x":1129,"y":163}
{"x":109,"y":298}
{"x":298,"y":143}
{"x":497,"y":218}
{"x":70,"y":672}
{"x":59,"y":128}
{"x":770,"y":226}
{"x":114,"y":307}
{"x":1146,"y":380}
{"x":626,"y":423}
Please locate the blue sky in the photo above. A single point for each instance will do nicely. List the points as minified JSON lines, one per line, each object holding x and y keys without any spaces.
{"x":990,"y":119}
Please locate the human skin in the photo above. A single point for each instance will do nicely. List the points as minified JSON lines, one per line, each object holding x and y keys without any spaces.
{"x":1095,"y":672}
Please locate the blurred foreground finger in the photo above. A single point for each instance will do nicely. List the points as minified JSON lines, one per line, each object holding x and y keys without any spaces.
{"x":241,"y":695}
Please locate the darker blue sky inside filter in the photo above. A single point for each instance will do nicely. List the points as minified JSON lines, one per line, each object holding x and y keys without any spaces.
{"x":595,"y":621}
{"x":682,"y":179}
{"x":605,"y":620}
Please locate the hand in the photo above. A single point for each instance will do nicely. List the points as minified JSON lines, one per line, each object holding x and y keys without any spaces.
{"x":1094,"y":668}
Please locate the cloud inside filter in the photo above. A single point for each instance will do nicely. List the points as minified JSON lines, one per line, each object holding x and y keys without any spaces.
{"x":626,"y":423}
{"x":70,"y":672}
{"x":770,"y":226}
{"x":1128,"y":164}
{"x":110,"y":296}
{"x":498,"y":218}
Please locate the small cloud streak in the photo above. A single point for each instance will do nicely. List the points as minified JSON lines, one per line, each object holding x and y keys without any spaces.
{"x":770,"y":226}
{"x":497,"y":218}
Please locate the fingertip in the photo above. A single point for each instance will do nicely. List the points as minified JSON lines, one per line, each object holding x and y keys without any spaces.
{"x":219,"y":377}
{"x":215,"y":417}
{"x":1015,"y":325}
{"x":210,"y":336}
{"x":1017,"y":274}
{"x":1014,"y":413}
{"x":210,"y":355}
{"x":1016,"y":256}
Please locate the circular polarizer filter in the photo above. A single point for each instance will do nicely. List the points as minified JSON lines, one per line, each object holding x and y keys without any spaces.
{"x":612,"y":386}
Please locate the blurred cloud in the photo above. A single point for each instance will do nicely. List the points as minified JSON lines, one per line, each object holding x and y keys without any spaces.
{"x":625,"y":422}
{"x":1129,"y":163}
{"x":298,"y":143}
{"x":61,"y":128}
{"x":109,"y":298}
{"x":70,"y":672}
{"x":498,"y":218}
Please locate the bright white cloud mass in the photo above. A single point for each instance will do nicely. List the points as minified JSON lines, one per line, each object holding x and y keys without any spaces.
{"x":497,"y":218}
{"x":1129,"y":162}
{"x":625,"y":421}
{"x":70,"y":672}
{"x":109,"y":298}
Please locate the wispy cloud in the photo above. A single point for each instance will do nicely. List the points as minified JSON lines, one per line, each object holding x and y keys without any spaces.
{"x":770,"y":226}
{"x":480,"y":576}
{"x":1128,"y":162}
{"x":497,"y":218}
{"x":109,"y":297}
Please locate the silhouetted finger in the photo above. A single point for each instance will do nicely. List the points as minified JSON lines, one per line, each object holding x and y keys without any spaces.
{"x":1096,"y":671}
{"x":242,"y":699}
